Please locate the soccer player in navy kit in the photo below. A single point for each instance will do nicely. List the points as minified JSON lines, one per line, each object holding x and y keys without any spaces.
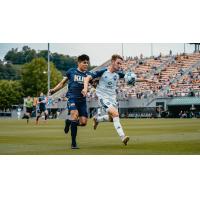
{"x":76,"y":101}
{"x":42,"y":101}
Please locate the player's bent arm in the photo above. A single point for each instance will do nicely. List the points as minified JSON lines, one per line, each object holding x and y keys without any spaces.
{"x":86,"y":83}
{"x":59,"y":86}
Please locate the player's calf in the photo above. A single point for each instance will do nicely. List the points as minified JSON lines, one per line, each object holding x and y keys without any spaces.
{"x":67,"y":125}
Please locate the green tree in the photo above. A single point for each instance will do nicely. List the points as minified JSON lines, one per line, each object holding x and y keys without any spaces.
{"x":11,"y":55}
{"x":11,"y":93}
{"x":20,"y":57}
{"x":8,"y":72}
{"x":34,"y":77}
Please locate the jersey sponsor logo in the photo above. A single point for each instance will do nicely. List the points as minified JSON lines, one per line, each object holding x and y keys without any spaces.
{"x":78,"y":78}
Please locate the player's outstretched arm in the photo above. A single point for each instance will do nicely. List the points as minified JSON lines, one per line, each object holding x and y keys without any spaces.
{"x":59,"y":86}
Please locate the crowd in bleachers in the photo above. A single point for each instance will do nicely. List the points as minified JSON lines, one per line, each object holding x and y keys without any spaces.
{"x":172,"y":75}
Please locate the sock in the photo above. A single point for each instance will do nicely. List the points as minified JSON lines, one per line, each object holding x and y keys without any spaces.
{"x":74,"y":132}
{"x":45,"y":115}
{"x":78,"y":122}
{"x":104,"y":118}
{"x":27,"y":118}
{"x":37,"y":118}
{"x":118,"y":127}
{"x":99,"y":111}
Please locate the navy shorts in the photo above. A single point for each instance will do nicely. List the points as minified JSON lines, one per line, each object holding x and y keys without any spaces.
{"x":78,"y":104}
{"x":42,"y":109}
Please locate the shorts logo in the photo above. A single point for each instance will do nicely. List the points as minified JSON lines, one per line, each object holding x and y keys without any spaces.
{"x":72,"y":104}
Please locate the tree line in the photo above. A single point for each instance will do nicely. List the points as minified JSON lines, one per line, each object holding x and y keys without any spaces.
{"x":24,"y":72}
{"x":33,"y":81}
{"x":61,"y":61}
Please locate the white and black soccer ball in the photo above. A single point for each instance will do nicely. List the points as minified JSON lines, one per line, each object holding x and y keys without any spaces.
{"x":130,"y":78}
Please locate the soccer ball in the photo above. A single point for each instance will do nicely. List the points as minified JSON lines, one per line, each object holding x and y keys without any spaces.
{"x":130,"y":78}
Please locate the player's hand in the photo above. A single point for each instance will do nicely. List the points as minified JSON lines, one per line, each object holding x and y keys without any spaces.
{"x":84,"y":92}
{"x":51,"y":91}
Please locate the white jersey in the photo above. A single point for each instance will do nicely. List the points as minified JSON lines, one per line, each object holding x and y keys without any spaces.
{"x":108,"y":85}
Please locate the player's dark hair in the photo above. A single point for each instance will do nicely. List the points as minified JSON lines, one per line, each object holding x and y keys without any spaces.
{"x":83,"y":58}
{"x":115,"y":57}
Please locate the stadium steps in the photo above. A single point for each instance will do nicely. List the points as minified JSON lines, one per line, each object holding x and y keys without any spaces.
{"x":173,"y":81}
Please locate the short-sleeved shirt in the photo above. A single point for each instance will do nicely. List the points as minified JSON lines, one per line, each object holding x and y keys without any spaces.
{"x":108,"y":83}
{"x":29,"y":103}
{"x":76,"y":83}
{"x":43,"y":101}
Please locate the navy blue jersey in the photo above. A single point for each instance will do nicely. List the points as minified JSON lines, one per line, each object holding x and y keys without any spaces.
{"x":42,"y":102}
{"x":76,"y":82}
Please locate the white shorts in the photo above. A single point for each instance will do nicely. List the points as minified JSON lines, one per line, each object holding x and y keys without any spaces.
{"x":107,"y":103}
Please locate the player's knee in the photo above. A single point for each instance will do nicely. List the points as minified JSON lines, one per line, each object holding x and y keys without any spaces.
{"x":83,"y":124}
{"x":114,"y":113}
{"x":74,"y":115}
{"x":110,"y":118}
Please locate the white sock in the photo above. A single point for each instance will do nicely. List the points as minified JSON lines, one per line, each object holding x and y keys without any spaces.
{"x":118,"y":127}
{"x":99,"y":111}
{"x":103,"y":118}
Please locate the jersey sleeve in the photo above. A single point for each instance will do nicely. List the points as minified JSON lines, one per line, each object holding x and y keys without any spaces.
{"x":97,"y":74}
{"x":121,"y":74}
{"x":68,"y":73}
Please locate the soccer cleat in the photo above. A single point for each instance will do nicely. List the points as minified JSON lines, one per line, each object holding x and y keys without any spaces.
{"x":74,"y":147}
{"x":125,"y":140}
{"x":67,"y":125}
{"x":95,"y":123}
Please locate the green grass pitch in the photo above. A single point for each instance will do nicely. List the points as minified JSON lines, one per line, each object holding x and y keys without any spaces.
{"x":147,"y":136}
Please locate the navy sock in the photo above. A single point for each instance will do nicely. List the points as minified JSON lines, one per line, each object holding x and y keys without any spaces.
{"x":74,"y":132}
{"x":78,"y":122}
{"x":37,"y":118}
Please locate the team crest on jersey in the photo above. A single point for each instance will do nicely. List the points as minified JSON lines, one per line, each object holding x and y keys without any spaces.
{"x":115,"y":78}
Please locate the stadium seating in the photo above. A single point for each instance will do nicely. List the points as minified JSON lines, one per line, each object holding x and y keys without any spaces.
{"x":175,"y":76}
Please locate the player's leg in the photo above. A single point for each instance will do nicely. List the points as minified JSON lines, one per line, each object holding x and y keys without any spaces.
{"x":74,"y":125}
{"x":104,"y":105}
{"x":73,"y":121}
{"x":38,"y":116}
{"x":45,"y":115}
{"x":70,"y":106}
{"x":83,"y":115}
{"x":27,"y":117}
{"x":28,"y":114}
{"x":113,"y":112}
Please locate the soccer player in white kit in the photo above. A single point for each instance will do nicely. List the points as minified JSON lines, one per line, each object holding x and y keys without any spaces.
{"x":107,"y":97}
{"x":106,"y":92}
